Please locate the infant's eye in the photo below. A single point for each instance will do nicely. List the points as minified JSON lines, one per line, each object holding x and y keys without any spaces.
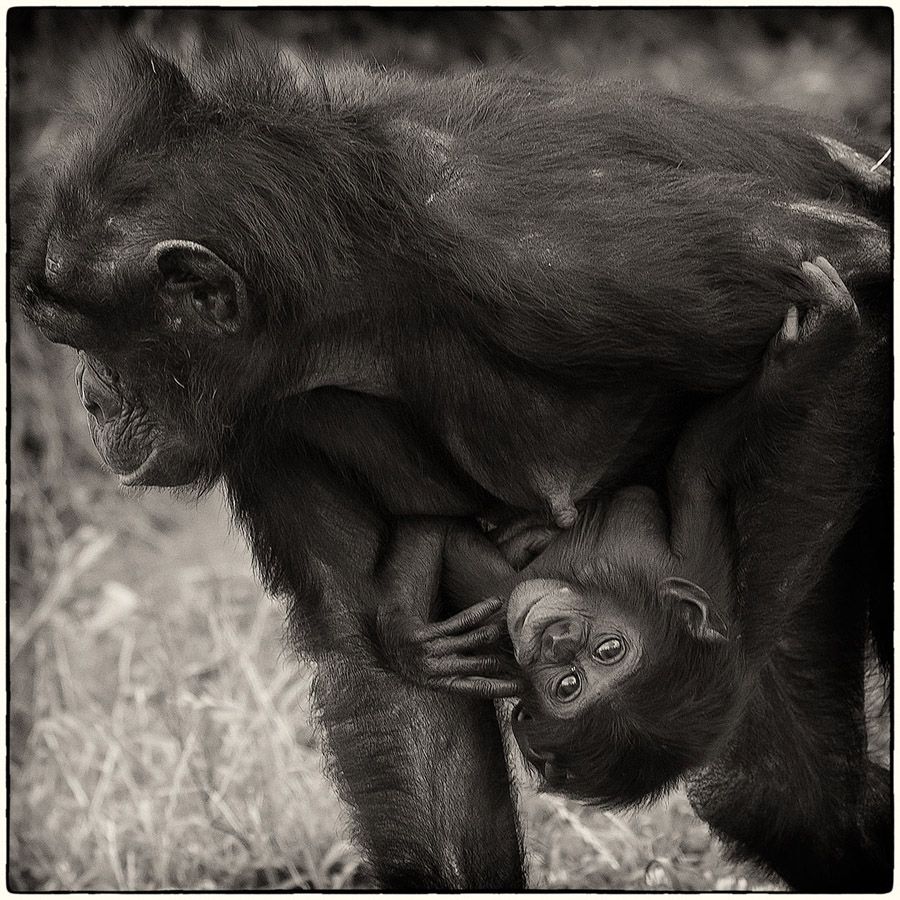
{"x":569,"y":686}
{"x":609,"y":650}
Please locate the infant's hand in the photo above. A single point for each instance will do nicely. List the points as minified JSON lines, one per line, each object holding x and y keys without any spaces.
{"x":458,"y":654}
{"x":808,"y":346}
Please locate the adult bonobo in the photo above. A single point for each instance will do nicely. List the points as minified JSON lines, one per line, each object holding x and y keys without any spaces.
{"x":520,"y":286}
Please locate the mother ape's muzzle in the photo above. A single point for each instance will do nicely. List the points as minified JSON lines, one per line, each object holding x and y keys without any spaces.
{"x":127,"y":435}
{"x":98,"y":396}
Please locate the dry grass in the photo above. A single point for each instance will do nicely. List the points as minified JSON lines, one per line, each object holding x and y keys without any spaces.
{"x":171,"y":750}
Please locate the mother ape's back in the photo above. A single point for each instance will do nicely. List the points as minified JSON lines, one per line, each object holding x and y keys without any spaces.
{"x":621,"y":206}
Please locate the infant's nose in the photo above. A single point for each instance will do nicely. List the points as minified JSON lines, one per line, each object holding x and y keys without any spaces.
{"x":560,"y":642}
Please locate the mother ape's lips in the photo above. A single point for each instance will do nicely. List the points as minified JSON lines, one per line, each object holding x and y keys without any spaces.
{"x":153,"y":471}
{"x":136,"y":476}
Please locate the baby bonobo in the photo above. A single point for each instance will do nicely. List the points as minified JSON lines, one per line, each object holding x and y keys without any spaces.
{"x":625,"y":627}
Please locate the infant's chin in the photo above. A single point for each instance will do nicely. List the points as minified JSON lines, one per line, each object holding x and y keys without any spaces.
{"x":525,"y":597}
{"x":531,"y":604}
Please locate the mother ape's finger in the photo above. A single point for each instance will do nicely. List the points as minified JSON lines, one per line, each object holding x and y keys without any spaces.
{"x":819,"y":280}
{"x":790,"y":327}
{"x":833,"y":302}
{"x":829,"y":287}
{"x":830,"y":271}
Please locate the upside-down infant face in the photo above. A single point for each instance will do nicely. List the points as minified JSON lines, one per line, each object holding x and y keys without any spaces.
{"x":575,"y":646}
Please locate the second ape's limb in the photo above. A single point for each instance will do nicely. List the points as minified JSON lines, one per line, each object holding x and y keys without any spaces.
{"x":794,"y":788}
{"x":732,"y":444}
{"x":459,"y":653}
{"x":423,"y":772}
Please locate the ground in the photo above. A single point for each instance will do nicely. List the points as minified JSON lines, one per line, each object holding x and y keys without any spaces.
{"x":159,"y":731}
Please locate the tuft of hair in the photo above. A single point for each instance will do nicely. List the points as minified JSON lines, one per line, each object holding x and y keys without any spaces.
{"x":672,"y":715}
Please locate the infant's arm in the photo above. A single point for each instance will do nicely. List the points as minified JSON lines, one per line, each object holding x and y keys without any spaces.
{"x":459,"y":653}
{"x":733,"y":442}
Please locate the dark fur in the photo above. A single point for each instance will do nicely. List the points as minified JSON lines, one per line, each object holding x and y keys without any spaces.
{"x":530,"y":319}
{"x":678,"y":711}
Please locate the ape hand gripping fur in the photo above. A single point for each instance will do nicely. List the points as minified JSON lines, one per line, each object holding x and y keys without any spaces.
{"x":502,"y":292}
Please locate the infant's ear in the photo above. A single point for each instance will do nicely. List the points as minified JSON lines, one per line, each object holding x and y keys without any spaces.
{"x":694,"y":606}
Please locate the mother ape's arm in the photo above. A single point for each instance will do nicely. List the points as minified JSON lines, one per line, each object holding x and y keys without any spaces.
{"x":683,"y":267}
{"x":424,"y":772}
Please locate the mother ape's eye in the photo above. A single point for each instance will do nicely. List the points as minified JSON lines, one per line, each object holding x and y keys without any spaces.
{"x":569,"y":686}
{"x":610,"y":650}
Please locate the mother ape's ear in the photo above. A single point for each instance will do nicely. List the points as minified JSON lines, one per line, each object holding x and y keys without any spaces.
{"x":200,"y":285}
{"x":693,"y":605}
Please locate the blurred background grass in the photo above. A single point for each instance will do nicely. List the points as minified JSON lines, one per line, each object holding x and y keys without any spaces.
{"x":159,"y":732}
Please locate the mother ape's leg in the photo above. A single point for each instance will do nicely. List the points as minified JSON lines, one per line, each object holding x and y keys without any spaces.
{"x":795,"y":790}
{"x":423,"y":772}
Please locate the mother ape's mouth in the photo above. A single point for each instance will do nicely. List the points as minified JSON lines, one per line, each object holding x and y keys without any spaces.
{"x":129,"y":472}
{"x":101,"y":398}
{"x":163,"y":467}
{"x":136,"y":476}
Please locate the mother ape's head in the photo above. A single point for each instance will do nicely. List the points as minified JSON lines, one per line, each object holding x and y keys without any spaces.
{"x":173,"y":247}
